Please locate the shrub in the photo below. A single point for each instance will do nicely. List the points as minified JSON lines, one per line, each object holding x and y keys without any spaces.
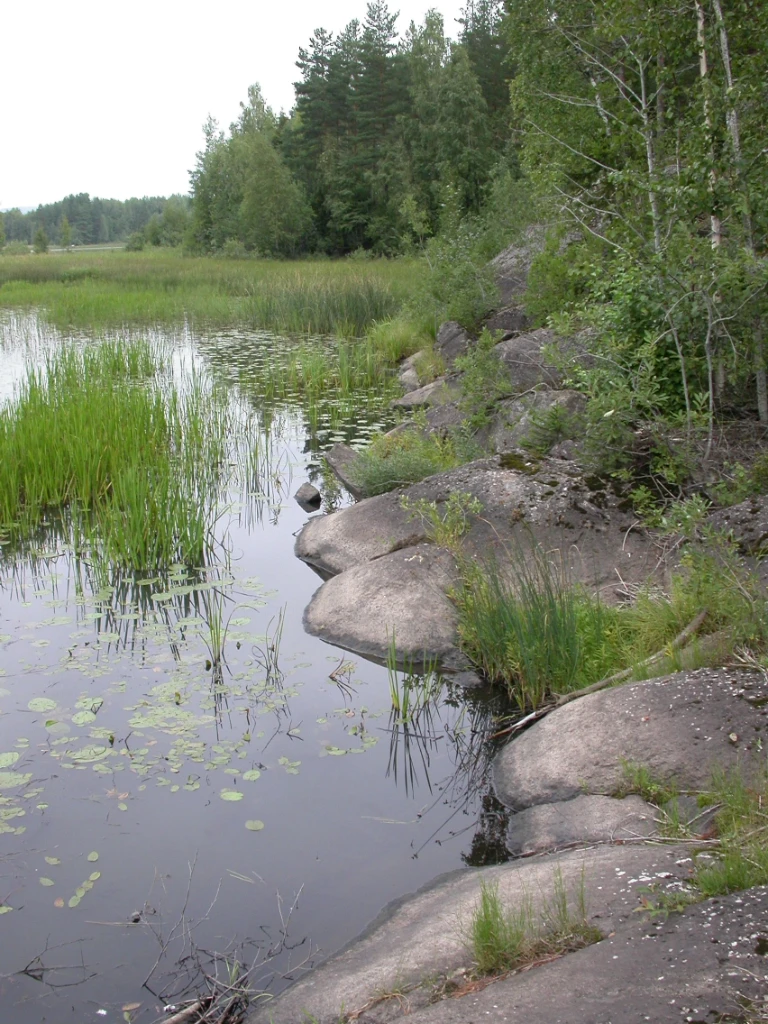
{"x":394,"y":460}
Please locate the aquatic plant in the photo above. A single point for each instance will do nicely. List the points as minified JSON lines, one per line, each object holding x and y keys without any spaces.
{"x":115,"y":458}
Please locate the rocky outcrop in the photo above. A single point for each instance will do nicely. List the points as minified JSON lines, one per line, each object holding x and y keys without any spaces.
{"x":679,"y":727}
{"x":746,"y":522}
{"x":512,"y":266}
{"x":427,"y":935}
{"x":519,"y":421}
{"x":526,"y":503}
{"x":582,"y":821}
{"x":438,"y":392}
{"x":452,"y":341}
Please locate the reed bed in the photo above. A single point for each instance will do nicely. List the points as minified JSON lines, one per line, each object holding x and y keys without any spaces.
{"x":102,"y":447}
{"x":115,"y":289}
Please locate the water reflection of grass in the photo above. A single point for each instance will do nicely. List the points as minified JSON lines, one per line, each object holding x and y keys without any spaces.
{"x":129,"y":466}
{"x":112,"y":289}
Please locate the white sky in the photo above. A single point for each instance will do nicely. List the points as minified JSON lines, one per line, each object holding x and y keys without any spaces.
{"x":110,"y":98}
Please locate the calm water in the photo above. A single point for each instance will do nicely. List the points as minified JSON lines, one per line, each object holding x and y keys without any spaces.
{"x":157,"y":802}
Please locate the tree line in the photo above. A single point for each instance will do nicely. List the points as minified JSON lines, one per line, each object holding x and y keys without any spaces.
{"x":82,"y":220}
{"x":389,"y":136}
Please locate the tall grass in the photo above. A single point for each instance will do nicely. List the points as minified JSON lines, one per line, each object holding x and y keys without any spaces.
{"x":124,"y":464}
{"x":527,"y":626}
{"x":116,"y":289}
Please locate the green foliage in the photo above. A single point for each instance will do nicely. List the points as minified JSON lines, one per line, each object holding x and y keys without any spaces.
{"x":530,"y":629}
{"x":502,"y":940}
{"x":110,"y":289}
{"x":741,"y":861}
{"x":547,"y":428}
{"x":65,"y":232}
{"x":404,"y":458}
{"x":135,"y":242}
{"x":127,"y":469}
{"x":91,"y":221}
{"x":638,"y":779}
{"x":447,"y":522}
{"x":483,"y":381}
{"x":40,"y":241}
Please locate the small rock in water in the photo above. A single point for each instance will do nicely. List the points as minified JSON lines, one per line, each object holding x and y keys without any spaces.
{"x":308,"y":497}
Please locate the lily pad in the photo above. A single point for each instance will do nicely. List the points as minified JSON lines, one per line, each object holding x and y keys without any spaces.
{"x":254,"y":825}
{"x":73,"y":901}
{"x":46,"y":881}
{"x":42,"y":704}
{"x":6,"y":760}
{"x":92,"y":856}
{"x":10,"y":780}
{"x":231,"y":794}
{"x":252,"y":775}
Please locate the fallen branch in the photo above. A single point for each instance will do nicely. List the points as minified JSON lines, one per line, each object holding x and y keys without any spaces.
{"x":184,"y":1016}
{"x":681,"y":640}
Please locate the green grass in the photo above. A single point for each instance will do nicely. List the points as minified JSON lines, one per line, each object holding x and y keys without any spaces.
{"x":741,"y":860}
{"x":115,"y":289}
{"x":526,"y":626}
{"x":392,"y":461}
{"x":503,"y":940}
{"x":100,"y":447}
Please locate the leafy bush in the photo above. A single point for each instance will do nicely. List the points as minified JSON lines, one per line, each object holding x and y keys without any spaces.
{"x":135,"y":242}
{"x":15,"y":249}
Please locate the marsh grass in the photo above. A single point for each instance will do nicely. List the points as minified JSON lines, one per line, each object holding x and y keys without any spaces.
{"x":504,"y":939}
{"x":527,"y":626}
{"x":116,"y":289}
{"x":99,"y":445}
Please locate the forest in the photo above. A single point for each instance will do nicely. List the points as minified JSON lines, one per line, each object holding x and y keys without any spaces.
{"x":82,"y":220}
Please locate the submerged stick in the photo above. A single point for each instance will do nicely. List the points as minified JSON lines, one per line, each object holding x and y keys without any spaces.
{"x":680,"y":641}
{"x":186,"y":1015}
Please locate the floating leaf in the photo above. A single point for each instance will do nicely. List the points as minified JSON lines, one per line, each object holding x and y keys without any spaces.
{"x":9,"y":780}
{"x":58,"y":902}
{"x":46,"y":881}
{"x":83,"y":718}
{"x":94,"y":876}
{"x":252,"y":775}
{"x":254,"y":825}
{"x":122,"y":807}
{"x":93,"y":752}
{"x":42,"y":704}
{"x":231,"y":794}
{"x":5,"y":910}
{"x":73,"y":901}
{"x":6,"y":760}
{"x":52,"y":860}
{"x":92,"y":856}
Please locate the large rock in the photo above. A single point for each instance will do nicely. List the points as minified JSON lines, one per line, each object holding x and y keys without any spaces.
{"x":746,"y":522}
{"x":408,"y":375}
{"x":517,"y":420}
{"x":452,"y":341}
{"x":680,"y":727}
{"x":342,"y":459}
{"x":525,"y":503}
{"x":426,"y":935}
{"x":528,"y":361}
{"x":511,"y":320}
{"x":579,"y":822}
{"x":398,"y":599}
{"x":524,"y":500}
{"x":705,"y":964}
{"x":436,"y":393}
{"x":512,"y":266}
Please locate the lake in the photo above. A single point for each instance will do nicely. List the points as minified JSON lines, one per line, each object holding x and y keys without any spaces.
{"x":183,"y":770}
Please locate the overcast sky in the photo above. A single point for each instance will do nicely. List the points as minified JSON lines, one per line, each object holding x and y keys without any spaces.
{"x":110,"y":98}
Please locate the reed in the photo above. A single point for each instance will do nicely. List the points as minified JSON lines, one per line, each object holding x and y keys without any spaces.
{"x":103,"y":449}
{"x":116,"y":289}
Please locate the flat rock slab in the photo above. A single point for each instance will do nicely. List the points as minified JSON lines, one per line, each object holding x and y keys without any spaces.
{"x":425,"y":935}
{"x":680,"y":727}
{"x":437,"y":393}
{"x":702,"y":965}
{"x":579,"y":822}
{"x":400,"y":597}
{"x":524,"y":501}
